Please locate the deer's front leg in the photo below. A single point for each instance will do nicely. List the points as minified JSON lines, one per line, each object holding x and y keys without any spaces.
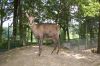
{"x":40,"y":46}
{"x":55,"y":46}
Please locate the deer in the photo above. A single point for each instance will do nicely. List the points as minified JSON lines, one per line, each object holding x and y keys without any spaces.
{"x":43,"y":31}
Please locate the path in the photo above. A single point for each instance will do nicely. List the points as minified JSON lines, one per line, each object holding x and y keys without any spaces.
{"x":27,"y":56}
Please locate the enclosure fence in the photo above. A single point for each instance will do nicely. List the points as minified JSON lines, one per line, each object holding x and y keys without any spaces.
{"x":81,"y":44}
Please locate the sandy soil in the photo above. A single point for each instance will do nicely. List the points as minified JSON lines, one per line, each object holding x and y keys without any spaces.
{"x":27,"y":56}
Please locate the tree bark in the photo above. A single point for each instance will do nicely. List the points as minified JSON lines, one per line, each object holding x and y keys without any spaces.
{"x":1,"y":24}
{"x":98,"y":48}
{"x":31,"y":36}
{"x":1,"y":30}
{"x":82,"y":30}
{"x":15,"y":19}
{"x":22,"y":28}
{"x":63,"y":35}
{"x":20,"y":23}
{"x":67,"y":29}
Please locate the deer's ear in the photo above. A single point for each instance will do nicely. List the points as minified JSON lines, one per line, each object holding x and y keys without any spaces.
{"x":27,"y":15}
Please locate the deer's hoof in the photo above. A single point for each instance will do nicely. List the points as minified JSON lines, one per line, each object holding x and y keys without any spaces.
{"x":39,"y":54}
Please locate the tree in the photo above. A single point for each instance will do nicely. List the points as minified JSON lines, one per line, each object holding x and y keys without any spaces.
{"x":91,"y":9}
{"x":15,"y":18}
{"x":98,"y":48}
{"x":2,"y":16}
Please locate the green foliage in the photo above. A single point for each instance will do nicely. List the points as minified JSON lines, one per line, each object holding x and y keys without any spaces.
{"x":54,"y":10}
{"x":3,"y":45}
{"x":91,"y":9}
{"x":2,"y":13}
{"x":4,"y":1}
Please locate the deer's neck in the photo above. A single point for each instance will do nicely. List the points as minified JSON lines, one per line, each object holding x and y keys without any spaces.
{"x":34,"y":29}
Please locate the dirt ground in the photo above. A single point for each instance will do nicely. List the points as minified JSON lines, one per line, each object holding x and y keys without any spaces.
{"x":28,"y":56}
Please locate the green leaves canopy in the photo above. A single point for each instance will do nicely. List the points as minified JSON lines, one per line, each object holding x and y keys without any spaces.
{"x":91,"y":9}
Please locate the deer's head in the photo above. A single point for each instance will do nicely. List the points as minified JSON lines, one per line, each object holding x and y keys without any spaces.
{"x":30,"y":18}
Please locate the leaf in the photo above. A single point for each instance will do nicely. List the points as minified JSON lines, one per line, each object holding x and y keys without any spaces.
{"x":92,"y":9}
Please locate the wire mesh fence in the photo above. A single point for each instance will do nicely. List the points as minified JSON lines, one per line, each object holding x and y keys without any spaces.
{"x":81,"y":44}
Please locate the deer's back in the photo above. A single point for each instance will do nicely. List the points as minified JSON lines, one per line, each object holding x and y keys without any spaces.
{"x":47,"y":30}
{"x":48,"y":27}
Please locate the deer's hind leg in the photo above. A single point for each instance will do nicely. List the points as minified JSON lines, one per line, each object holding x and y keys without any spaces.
{"x":55,"y":46}
{"x":58,"y":46}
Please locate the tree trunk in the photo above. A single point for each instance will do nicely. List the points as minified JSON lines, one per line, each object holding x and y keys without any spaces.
{"x":31,"y":36}
{"x":24,"y":35}
{"x":22,"y":28}
{"x":20,"y":23}
{"x":68,"y":32}
{"x":91,"y":33}
{"x":98,"y":48}
{"x":63,"y":35}
{"x":82,"y":31}
{"x":1,"y":24}
{"x":15,"y":19}
{"x":1,"y":30}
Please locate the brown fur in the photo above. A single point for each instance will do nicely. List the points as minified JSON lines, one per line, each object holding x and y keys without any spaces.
{"x":45,"y":30}
{"x":50,"y":30}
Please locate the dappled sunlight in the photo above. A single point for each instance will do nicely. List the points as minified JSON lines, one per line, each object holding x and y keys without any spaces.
{"x":19,"y":57}
{"x":64,"y":53}
{"x":35,"y":46}
{"x":36,"y":52}
{"x":77,"y":56}
{"x":28,"y":53}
